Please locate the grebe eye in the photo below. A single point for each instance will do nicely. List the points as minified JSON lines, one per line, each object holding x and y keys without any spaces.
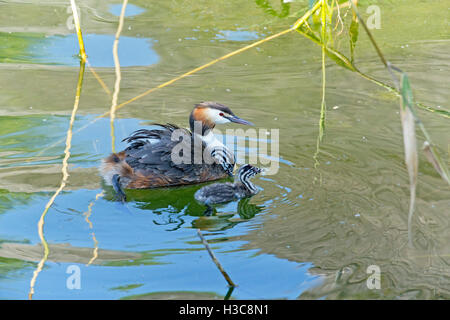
{"x":221,"y":114}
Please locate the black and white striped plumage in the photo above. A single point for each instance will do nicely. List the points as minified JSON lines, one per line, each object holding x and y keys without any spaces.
{"x":225,"y":192}
{"x":224,"y":157}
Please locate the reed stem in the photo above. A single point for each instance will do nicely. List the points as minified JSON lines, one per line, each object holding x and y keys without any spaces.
{"x":65,"y":177}
{"x":76,"y":20}
{"x":115,"y":96}
{"x":214,"y":259}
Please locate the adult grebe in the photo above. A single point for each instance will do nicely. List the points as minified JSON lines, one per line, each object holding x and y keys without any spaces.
{"x":148,"y":160}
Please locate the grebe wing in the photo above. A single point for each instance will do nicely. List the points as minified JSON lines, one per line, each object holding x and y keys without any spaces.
{"x":153,"y":148}
{"x":150,"y":155}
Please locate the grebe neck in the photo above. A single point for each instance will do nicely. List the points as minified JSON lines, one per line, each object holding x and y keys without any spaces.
{"x":244,"y":179}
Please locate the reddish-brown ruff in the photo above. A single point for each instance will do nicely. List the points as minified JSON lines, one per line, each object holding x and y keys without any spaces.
{"x":201,"y":114}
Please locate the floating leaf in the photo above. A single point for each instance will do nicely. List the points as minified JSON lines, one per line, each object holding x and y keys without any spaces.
{"x":336,"y":56}
{"x":326,"y":15}
{"x":408,"y":125}
{"x":435,"y":160}
{"x":410,"y":143}
{"x":430,"y":153}
{"x":353,"y":33}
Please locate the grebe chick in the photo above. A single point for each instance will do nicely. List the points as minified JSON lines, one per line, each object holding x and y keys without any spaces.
{"x":225,"y":192}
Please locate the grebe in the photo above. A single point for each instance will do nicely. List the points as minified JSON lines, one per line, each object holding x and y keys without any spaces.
{"x":224,"y":192}
{"x":147,"y":162}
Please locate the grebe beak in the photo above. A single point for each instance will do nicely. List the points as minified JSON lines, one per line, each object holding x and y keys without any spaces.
{"x":238,"y":120}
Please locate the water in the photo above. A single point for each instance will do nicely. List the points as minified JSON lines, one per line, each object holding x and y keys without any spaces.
{"x":316,"y":226}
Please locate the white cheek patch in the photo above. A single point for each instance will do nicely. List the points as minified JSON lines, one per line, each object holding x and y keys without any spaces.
{"x":215,"y":116}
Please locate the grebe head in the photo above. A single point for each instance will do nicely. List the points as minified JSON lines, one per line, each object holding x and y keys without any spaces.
{"x":211,"y":113}
{"x":246,"y":172}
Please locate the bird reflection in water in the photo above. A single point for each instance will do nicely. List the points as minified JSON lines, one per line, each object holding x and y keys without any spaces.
{"x":173,"y":206}
{"x":225,"y":220}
